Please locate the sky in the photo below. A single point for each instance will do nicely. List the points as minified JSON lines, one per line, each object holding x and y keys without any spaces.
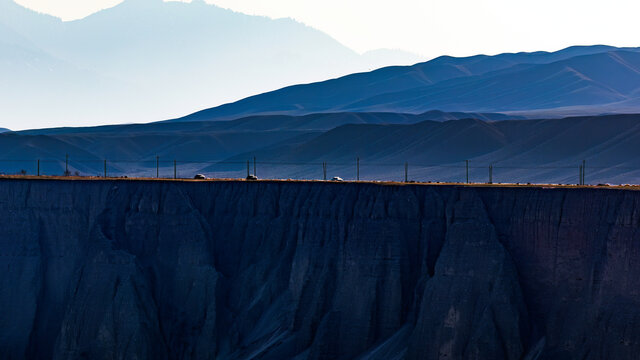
{"x":432,"y":27}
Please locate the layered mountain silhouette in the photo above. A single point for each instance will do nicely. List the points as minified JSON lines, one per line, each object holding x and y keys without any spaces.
{"x":435,"y":146}
{"x":576,"y":80}
{"x":542,"y":151}
{"x":133,"y":148}
{"x":433,"y":116}
{"x":145,"y":60}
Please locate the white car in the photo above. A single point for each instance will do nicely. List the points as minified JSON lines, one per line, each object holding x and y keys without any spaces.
{"x":337,"y":178}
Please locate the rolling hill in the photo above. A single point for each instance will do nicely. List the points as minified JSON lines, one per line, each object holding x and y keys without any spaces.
{"x":320,"y":121}
{"x":435,"y":145}
{"x":132,"y":149}
{"x":590,"y":80}
{"x":543,"y":151}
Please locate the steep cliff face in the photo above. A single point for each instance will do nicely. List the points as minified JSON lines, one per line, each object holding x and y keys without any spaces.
{"x":234,"y":270}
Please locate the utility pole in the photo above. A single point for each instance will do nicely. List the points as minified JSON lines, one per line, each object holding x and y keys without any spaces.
{"x":254,"y":167}
{"x":105,"y":168}
{"x":157,"y":167}
{"x":38,"y":167}
{"x":324,"y":171}
{"x":467,"y":167}
{"x":175,"y":169}
{"x":248,"y":171}
{"x":406,"y":172}
{"x":584,"y":171}
{"x":580,"y":176}
{"x":358,"y":169}
{"x":66,"y":165}
{"x":491,"y":174}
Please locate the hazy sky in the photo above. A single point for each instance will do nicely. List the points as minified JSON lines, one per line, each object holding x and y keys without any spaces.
{"x":434,"y":27}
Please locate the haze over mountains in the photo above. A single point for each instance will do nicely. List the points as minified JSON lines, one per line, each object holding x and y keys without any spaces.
{"x":96,"y":266}
{"x":387,"y":117}
{"x":147,"y":60}
{"x":573,"y":81}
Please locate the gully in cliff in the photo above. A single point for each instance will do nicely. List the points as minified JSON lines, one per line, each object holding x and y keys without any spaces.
{"x":314,"y":270}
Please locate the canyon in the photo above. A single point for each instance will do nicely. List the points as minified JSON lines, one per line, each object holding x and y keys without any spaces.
{"x":134,"y":269}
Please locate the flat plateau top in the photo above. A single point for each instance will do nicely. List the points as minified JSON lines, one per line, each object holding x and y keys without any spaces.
{"x":394,"y":183}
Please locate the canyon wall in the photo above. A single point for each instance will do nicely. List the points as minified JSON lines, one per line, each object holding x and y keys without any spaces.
{"x":310,"y":270}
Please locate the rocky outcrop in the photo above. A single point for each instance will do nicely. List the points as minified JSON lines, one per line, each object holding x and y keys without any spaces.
{"x":278,"y":270}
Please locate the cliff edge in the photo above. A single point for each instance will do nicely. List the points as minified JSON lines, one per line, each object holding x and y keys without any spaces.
{"x":294,"y":270}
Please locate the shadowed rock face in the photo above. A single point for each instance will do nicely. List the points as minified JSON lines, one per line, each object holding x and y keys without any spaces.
{"x":234,"y":270}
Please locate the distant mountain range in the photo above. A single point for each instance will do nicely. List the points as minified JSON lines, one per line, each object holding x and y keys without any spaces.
{"x":145,"y":57}
{"x":145,"y":60}
{"x":573,"y":81}
{"x":132,"y":149}
{"x":537,"y":151}
{"x":435,"y":145}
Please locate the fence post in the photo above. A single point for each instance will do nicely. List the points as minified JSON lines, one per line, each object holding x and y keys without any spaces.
{"x":467,"y":167}
{"x":157,"y":167}
{"x":175,"y":169}
{"x":491,"y":174}
{"x":66,"y":165}
{"x":406,"y":172}
{"x":105,"y":168}
{"x":358,"y":169}
{"x":38,"y":167}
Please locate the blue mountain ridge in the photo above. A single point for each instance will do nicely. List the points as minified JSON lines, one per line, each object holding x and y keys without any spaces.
{"x":592,"y":79}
